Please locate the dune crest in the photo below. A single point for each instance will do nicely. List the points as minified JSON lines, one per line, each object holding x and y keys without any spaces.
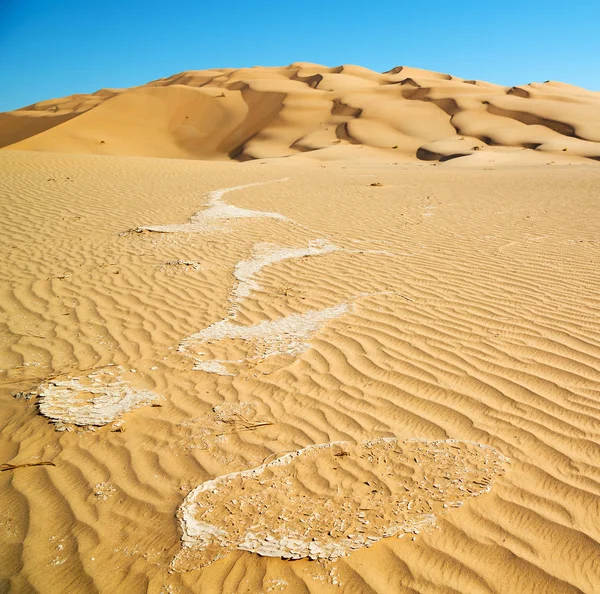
{"x":256,"y":113}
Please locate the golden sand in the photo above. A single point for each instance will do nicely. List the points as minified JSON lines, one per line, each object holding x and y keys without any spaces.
{"x":254,"y":113}
{"x":257,"y":376}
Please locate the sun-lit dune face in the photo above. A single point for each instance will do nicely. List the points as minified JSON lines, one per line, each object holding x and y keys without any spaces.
{"x":266,"y":112}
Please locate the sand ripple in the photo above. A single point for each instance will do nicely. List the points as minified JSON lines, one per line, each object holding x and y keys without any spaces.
{"x":480,"y":324}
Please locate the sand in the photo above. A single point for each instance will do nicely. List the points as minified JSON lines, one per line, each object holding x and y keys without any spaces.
{"x":254,"y":113}
{"x":346,"y":367}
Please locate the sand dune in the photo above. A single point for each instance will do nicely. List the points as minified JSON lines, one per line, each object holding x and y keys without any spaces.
{"x":255,"y":113}
{"x":359,"y":369}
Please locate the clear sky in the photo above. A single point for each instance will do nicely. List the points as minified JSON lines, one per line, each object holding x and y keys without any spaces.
{"x":59,"y":47}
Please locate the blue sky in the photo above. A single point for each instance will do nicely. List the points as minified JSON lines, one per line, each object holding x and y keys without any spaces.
{"x":59,"y":47}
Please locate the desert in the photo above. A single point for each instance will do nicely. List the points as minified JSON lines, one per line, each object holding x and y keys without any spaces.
{"x":302,"y":328}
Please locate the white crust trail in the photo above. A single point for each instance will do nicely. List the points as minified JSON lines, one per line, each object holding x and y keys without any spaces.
{"x":224,"y":346}
{"x":266,"y":254}
{"x":217,"y":210}
{"x":289,"y":336}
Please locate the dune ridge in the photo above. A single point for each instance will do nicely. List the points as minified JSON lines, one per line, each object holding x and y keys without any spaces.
{"x":257,"y":113}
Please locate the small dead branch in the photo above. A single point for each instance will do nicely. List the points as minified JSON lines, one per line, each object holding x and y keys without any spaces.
{"x":52,"y":376}
{"x":276,"y":454}
{"x":245,"y":428}
{"x":4,"y":467}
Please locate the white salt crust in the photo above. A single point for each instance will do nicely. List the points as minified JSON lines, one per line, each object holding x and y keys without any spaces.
{"x":454,"y":471}
{"x":214,"y":366}
{"x":266,"y":254}
{"x":287,"y":335}
{"x":216,"y":212}
{"x":102,"y":401}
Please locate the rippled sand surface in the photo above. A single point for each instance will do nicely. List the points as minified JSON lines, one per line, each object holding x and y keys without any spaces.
{"x":395,"y":350}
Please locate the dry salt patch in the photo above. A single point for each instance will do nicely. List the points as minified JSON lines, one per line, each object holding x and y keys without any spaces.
{"x":210,"y":431}
{"x":276,"y":585}
{"x":226,"y":343}
{"x":266,"y":254}
{"x":228,"y":413}
{"x":218,"y":367}
{"x":325,"y":501}
{"x":217,"y":211}
{"x":89,"y":401}
{"x":102,"y":491}
{"x":176,"y":266}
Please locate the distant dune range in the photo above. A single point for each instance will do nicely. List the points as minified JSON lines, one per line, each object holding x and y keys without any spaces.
{"x":254,"y":113}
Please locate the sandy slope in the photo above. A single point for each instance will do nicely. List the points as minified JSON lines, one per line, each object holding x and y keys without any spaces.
{"x":416,"y":302}
{"x":273,"y":112}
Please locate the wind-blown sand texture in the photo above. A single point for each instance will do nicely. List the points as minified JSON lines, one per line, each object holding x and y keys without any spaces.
{"x":266,"y":403}
{"x":253,"y":113}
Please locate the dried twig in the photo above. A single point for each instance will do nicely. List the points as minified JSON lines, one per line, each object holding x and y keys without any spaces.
{"x":4,"y":467}
{"x":246,"y":428}
{"x":53,"y":375}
